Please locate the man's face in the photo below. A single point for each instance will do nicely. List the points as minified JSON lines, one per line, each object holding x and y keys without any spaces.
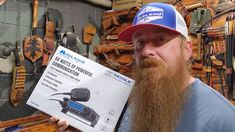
{"x":160,"y":75}
{"x":159,"y":44}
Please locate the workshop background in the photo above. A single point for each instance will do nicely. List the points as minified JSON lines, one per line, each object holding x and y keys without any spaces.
{"x":73,"y":12}
{"x":92,"y":31}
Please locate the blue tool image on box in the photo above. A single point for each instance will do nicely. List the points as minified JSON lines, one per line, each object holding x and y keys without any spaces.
{"x":87,"y":114}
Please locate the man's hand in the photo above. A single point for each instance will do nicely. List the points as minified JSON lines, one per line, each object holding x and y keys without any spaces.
{"x":63,"y":125}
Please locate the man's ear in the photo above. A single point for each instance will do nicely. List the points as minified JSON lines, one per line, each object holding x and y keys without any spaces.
{"x":188,"y":49}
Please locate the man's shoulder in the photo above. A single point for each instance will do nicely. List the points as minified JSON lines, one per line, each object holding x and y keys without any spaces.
{"x":205,"y":98}
{"x":204,"y":93}
{"x":206,"y":109}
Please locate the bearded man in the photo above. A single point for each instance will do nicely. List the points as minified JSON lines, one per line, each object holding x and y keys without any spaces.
{"x":166,"y":97}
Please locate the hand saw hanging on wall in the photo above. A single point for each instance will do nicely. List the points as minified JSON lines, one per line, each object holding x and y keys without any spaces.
{"x":19,"y":70}
{"x":18,"y":78}
{"x":33,"y":45}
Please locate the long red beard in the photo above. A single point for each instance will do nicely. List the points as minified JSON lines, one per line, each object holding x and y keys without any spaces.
{"x":158,"y":96}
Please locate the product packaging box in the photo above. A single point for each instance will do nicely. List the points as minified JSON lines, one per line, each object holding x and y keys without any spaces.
{"x":88,"y":95}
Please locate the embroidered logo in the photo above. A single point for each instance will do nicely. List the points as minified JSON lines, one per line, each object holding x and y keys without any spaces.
{"x":149,"y":14}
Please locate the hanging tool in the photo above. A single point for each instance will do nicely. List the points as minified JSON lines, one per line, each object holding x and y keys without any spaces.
{"x":199,"y":29}
{"x":18,"y":79}
{"x":19,"y":70}
{"x":198,"y":17}
{"x":58,"y":33}
{"x":88,"y":34}
{"x":207,"y":62}
{"x":229,"y":40}
{"x":33,"y":45}
{"x":49,"y":39}
{"x":70,"y":40}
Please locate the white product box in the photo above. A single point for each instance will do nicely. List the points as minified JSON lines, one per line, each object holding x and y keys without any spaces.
{"x":88,"y":95}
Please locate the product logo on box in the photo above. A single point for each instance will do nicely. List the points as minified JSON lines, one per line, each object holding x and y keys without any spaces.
{"x":119,"y":77}
{"x":70,"y":56}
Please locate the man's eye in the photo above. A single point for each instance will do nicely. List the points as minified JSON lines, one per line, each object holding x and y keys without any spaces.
{"x":139,"y":45}
{"x":159,"y":41}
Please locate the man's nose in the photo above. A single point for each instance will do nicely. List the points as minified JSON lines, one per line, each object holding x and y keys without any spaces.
{"x":148,"y":50}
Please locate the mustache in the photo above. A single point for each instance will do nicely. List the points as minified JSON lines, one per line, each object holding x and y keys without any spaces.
{"x":150,"y":62}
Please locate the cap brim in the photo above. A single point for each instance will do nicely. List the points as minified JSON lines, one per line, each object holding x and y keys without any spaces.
{"x":127,"y":33}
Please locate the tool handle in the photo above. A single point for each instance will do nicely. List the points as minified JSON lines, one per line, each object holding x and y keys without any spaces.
{"x":35,"y":14}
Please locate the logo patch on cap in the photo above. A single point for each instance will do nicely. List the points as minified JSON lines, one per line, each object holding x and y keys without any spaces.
{"x":149,"y":14}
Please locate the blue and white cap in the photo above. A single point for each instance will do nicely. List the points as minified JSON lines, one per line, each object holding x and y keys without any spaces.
{"x":156,"y":15}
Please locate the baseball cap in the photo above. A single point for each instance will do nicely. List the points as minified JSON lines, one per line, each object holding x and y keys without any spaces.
{"x":155,"y":15}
